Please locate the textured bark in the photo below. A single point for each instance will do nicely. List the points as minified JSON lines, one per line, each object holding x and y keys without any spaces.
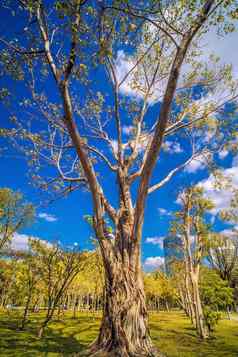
{"x":124,"y":329}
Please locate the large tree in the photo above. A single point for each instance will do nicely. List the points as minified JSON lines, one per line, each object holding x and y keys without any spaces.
{"x":86,"y":110}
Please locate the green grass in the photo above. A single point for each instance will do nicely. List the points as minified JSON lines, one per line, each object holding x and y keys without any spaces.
{"x":172,"y":333}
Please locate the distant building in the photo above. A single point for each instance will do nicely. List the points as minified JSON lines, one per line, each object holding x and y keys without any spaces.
{"x":172,"y":251}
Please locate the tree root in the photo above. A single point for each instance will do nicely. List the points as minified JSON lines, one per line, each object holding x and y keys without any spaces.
{"x":117,"y":353}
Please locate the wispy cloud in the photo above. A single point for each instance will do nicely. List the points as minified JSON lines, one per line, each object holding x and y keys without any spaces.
{"x":222,"y":154}
{"x":127,"y":129}
{"x":221,"y":46}
{"x":154,"y":262}
{"x":124,"y":64}
{"x":172,"y":147}
{"x":155,"y":241}
{"x":197,"y":164}
{"x":221,"y":197}
{"x":47,"y":217}
{"x":164,"y":212}
{"x":20,"y":242}
{"x":211,"y":43}
{"x":127,"y":69}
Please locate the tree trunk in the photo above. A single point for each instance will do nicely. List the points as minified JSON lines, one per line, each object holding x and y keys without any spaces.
{"x":124,"y":328}
{"x":44,"y":324}
{"x":75,"y":306}
{"x":200,"y":321}
{"x":166,"y":305}
{"x":190,"y":305}
{"x":23,"y":323}
{"x":228,"y":313}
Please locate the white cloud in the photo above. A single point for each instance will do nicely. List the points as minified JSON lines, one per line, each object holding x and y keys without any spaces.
{"x":127,"y":129}
{"x":20,"y":242}
{"x":222,"y":154}
{"x":163,"y":212}
{"x":48,"y":217}
{"x":124,"y":64}
{"x":198,"y":163}
{"x":155,"y":241}
{"x":172,"y":147}
{"x":154,"y":262}
{"x":221,"y":46}
{"x":221,"y":197}
{"x":211,"y":43}
{"x":134,"y":81}
{"x":230,"y":233}
{"x":114,"y":144}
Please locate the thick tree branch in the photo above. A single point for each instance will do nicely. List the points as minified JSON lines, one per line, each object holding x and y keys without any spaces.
{"x":70,"y":124}
{"x":156,"y":142}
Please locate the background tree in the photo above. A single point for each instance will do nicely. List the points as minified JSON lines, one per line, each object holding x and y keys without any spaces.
{"x":7,"y":277}
{"x":87,"y":289}
{"x":15,"y":213}
{"x":57,"y":269}
{"x":84,"y":140}
{"x":195,"y":234}
{"x":223,"y":255}
{"x":215,"y":294}
{"x":29,"y":281}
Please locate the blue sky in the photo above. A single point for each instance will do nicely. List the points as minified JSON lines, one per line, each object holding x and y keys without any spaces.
{"x":63,"y":219}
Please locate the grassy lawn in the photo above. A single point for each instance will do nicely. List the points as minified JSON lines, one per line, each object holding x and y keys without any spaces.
{"x":171,"y":332}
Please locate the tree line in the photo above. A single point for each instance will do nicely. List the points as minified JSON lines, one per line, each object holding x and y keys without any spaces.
{"x":203,"y":280}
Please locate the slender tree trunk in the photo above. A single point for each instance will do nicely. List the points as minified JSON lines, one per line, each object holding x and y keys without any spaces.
{"x":44,"y":324}
{"x":200,"y":321}
{"x":59,"y":311}
{"x":50,"y":312}
{"x":35,"y":305}
{"x":76,"y":302}
{"x":228,"y":313}
{"x":23,"y":323}
{"x":124,"y":328}
{"x":190,"y":305}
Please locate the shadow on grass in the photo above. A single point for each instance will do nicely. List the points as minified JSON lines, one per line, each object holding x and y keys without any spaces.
{"x":172,"y":333}
{"x":60,"y":338}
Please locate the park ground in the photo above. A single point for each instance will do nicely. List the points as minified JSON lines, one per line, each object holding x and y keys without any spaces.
{"x":172,"y":333}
